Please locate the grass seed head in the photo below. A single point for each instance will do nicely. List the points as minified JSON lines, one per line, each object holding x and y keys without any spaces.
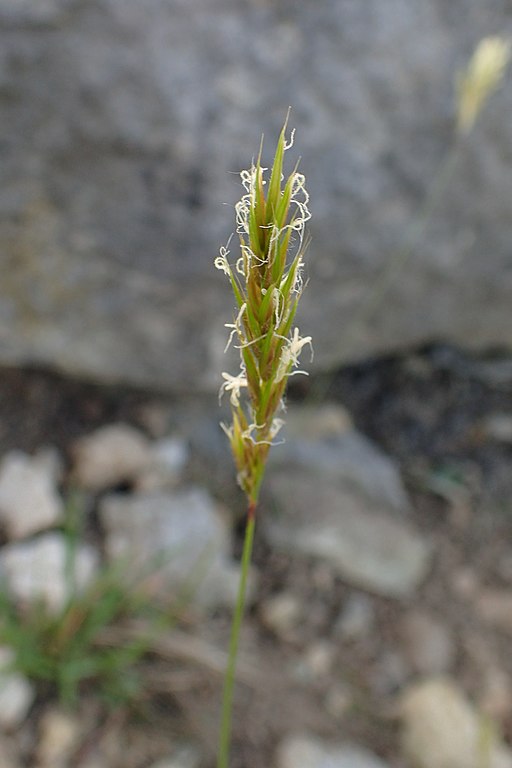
{"x":482,"y":77}
{"x":267,"y":283}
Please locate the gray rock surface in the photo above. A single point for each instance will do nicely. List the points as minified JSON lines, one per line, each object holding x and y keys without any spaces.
{"x":123,"y":121}
{"x":341,"y":500}
{"x":366,"y":547}
{"x":177,"y":539}
{"x":349,"y":460}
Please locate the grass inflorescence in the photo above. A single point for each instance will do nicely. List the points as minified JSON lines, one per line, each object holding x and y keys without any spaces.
{"x":267,"y":283}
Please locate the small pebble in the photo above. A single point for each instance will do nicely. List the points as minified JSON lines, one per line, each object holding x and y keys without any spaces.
{"x":59,"y":737}
{"x":168,"y":460}
{"x":29,"y":501}
{"x":319,"y":658}
{"x":428,"y":644}
{"x":442,"y":730}
{"x":498,"y":427}
{"x":110,"y":456}
{"x":356,"y":619}
{"x":16,"y":693}
{"x":315,"y":664}
{"x":390,"y":674}
{"x":281,"y":613}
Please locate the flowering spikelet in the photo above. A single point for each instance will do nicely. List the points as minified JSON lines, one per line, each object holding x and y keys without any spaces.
{"x":482,"y":77}
{"x":267,"y":283}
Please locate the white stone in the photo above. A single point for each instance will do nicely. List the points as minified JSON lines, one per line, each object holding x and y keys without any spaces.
{"x":29,"y":501}
{"x":304,"y":751}
{"x":281,"y":613}
{"x":59,"y":737}
{"x":442,"y":730}
{"x":36,"y":569}
{"x":16,"y":693}
{"x":112,"y":455}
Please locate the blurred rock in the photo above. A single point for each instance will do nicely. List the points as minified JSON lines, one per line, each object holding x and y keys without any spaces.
{"x":338,"y":701}
{"x":122,"y":128}
{"x":112,"y":455}
{"x":8,"y":757}
{"x":464,"y":583}
{"x":317,"y":422}
{"x":342,"y":501}
{"x":348,"y":459}
{"x":498,"y":426}
{"x":495,"y":372}
{"x":356,"y":618}
{"x":428,"y":644}
{"x":16,"y":693}
{"x":389,"y":674}
{"x":495,"y":695}
{"x":319,"y":659}
{"x":281,"y":613}
{"x":442,"y":730}
{"x":185,"y":756}
{"x":177,"y":539}
{"x":301,"y":751}
{"x":59,"y":735}
{"x":36,"y":569}
{"x":494,"y":606}
{"x":168,"y":459}
{"x":29,"y":501}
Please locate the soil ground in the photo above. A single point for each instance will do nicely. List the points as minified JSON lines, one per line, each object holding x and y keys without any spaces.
{"x":431,"y":411}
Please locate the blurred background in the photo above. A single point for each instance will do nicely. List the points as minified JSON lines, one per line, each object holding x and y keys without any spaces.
{"x":125,"y":125}
{"x":382,"y":583}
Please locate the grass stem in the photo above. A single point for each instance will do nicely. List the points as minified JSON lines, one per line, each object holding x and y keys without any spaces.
{"x":229,"y":679}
